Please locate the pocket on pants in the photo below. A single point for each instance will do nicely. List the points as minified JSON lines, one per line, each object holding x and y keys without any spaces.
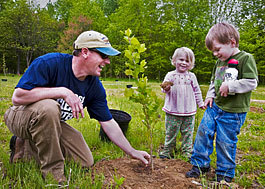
{"x":17,"y":120}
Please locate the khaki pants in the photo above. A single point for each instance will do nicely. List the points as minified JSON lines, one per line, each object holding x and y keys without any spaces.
{"x":47,"y":139}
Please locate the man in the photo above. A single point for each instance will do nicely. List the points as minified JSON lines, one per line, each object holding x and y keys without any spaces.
{"x":56,"y":87}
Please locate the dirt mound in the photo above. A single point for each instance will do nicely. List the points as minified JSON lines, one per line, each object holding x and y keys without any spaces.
{"x":166,"y":173}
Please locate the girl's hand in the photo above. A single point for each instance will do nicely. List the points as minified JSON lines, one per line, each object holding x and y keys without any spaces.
{"x":167,"y":88}
{"x":203,"y":107}
{"x":166,"y":85}
{"x":208,"y":101}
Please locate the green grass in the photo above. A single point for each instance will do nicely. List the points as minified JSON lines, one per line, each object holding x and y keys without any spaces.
{"x":251,"y":145}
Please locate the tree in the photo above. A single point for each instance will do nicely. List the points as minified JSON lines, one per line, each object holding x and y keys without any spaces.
{"x":70,"y":34}
{"x":92,"y":11}
{"x":62,"y":10}
{"x":108,"y":6}
{"x":143,"y":94}
{"x":26,"y":30}
{"x":252,"y":32}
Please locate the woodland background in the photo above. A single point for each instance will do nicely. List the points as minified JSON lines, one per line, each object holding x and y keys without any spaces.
{"x":28,"y":31}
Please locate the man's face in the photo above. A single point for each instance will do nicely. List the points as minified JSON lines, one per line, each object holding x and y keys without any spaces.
{"x":95,"y":62}
{"x":223,"y":51}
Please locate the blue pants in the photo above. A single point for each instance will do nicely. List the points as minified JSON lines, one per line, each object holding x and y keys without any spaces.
{"x":226,"y":126}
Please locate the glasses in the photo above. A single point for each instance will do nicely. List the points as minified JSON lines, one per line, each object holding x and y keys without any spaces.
{"x":103,"y":56}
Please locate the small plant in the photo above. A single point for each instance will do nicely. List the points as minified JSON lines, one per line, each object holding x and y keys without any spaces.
{"x":118,"y":180}
{"x":143,"y":94}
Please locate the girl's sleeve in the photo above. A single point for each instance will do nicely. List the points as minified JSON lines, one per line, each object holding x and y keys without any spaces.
{"x":197,"y":91}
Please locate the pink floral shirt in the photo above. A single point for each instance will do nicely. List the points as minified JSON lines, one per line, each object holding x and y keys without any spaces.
{"x":184,"y":96}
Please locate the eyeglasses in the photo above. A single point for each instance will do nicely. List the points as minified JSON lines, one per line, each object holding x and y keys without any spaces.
{"x":103,"y":56}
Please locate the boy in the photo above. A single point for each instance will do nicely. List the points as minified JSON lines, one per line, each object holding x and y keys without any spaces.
{"x":226,"y":113}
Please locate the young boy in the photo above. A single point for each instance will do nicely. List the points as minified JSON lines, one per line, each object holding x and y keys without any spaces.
{"x":225,"y":113}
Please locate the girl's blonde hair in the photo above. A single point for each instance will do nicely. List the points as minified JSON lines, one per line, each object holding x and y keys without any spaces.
{"x":189,"y":55}
{"x":223,"y":33}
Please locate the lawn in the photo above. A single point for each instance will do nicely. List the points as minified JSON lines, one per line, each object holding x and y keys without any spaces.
{"x":250,"y":171}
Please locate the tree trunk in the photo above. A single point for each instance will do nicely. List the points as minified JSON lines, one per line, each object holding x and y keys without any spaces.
{"x":18,"y":62}
{"x":29,"y":57}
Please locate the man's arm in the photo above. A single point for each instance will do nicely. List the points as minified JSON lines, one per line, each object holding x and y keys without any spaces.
{"x":114,"y":132}
{"x":25,"y":97}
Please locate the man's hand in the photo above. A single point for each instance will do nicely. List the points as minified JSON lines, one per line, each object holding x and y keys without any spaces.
{"x":141,"y":155}
{"x":74,"y":102}
{"x":224,"y":89}
{"x":115,"y":134}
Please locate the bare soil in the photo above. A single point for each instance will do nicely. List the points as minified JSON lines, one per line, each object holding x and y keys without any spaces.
{"x":166,"y":174}
{"x":257,"y":109}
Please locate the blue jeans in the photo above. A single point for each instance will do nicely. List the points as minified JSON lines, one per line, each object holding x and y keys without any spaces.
{"x":226,"y":126}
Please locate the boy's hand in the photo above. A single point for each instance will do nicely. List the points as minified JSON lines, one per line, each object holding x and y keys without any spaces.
{"x":224,"y":89}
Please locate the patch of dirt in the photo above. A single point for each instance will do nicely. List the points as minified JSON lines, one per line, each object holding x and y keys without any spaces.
{"x":166,"y":174}
{"x":257,"y":109}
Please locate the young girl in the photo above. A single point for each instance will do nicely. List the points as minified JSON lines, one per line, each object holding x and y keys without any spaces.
{"x":183,"y":94}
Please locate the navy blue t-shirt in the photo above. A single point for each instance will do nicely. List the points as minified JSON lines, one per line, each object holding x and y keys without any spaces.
{"x":55,"y":70}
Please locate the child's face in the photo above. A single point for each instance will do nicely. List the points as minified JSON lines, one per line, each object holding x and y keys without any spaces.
{"x":182,"y":63}
{"x":223,"y":51}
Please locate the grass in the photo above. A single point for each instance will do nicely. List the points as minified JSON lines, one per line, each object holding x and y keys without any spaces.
{"x":250,"y":156}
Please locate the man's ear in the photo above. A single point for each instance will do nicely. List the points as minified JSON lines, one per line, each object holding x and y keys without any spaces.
{"x":85,"y":52}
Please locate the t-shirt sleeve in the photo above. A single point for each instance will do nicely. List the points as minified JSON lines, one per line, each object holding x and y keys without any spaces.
{"x":37,"y":75}
{"x":250,"y":68}
{"x":97,"y":107}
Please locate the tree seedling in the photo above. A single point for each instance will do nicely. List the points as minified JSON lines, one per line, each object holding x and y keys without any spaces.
{"x":142,"y":94}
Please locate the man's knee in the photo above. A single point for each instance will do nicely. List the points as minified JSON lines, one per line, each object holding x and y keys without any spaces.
{"x":48,"y":107}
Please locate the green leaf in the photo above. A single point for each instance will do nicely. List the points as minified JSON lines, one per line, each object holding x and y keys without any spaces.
{"x":128,"y":72}
{"x":128,"y":32}
{"x":143,"y":63}
{"x":128,"y":92}
{"x":142,"y":48}
{"x":126,"y":38}
{"x":128,"y":54}
{"x":135,"y":41}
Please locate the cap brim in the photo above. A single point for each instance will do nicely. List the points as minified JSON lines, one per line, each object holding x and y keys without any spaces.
{"x":109,"y":51}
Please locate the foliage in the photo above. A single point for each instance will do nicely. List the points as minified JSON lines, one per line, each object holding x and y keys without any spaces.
{"x":26,"y":31}
{"x":62,"y":10}
{"x":92,"y":11}
{"x":77,"y":26}
{"x":143,"y":94}
{"x":108,"y":6}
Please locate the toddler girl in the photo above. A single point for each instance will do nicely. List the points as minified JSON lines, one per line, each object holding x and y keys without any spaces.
{"x":183,"y":94}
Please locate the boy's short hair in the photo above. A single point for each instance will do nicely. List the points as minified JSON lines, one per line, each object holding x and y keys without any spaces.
{"x":223,"y":33}
{"x":189,"y":55}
